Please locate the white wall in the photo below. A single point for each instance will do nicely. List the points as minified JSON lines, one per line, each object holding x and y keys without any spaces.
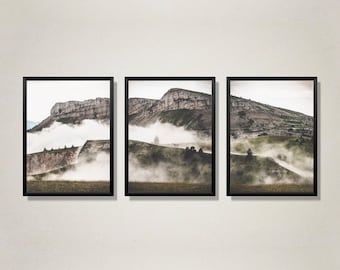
{"x":169,"y":38}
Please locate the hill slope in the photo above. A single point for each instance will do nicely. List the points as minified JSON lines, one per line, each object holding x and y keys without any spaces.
{"x":251,"y":117}
{"x":153,"y":163}
{"x":259,"y":170}
{"x":180,"y":107}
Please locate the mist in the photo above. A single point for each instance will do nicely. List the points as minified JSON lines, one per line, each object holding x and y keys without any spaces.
{"x":168,"y":134}
{"x":59,"y":135}
{"x":167,"y":173}
{"x":293,"y":160}
{"x":96,"y":170}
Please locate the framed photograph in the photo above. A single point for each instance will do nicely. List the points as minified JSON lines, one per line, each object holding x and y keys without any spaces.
{"x":68,"y":136}
{"x":170,"y":136}
{"x":272,"y":136}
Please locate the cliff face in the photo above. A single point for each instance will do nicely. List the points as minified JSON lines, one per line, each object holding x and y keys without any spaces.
{"x":51,"y":160}
{"x":172,"y":107}
{"x":176,"y":99}
{"x":73,"y":112}
{"x":250,"y":117}
{"x":140,"y":105}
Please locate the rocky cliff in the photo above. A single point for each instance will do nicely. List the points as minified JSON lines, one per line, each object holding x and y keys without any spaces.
{"x":180,"y":107}
{"x":55,"y":159}
{"x":140,"y":105}
{"x":177,"y":98}
{"x":49,"y":160}
{"x":249,"y":117}
{"x":73,"y":112}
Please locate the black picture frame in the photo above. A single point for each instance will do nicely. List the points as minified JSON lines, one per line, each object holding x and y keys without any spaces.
{"x":110,"y":191}
{"x":301,"y":130}
{"x":211,"y":191}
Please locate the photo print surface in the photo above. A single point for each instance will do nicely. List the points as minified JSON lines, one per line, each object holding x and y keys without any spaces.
{"x":68,"y":136}
{"x":170,"y":136}
{"x":272,"y":136}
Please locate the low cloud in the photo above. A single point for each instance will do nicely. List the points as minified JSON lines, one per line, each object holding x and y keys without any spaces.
{"x":59,"y":135}
{"x":168,"y":134}
{"x":164,"y":172}
{"x":292,"y":159}
{"x":96,"y":170}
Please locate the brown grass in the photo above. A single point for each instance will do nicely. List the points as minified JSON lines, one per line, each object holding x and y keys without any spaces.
{"x":271,"y":188}
{"x":175,"y":188}
{"x":67,"y":187}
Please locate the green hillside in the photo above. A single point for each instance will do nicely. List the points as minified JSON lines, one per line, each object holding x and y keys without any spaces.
{"x":175,"y":165}
{"x":190,"y":119}
{"x":257,"y":170}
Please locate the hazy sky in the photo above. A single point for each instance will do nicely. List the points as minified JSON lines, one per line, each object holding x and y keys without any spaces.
{"x":42,"y":95}
{"x":293,"y":95}
{"x":156,"y":89}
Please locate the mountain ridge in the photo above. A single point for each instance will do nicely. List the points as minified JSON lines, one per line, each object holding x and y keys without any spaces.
{"x":73,"y":112}
{"x":180,"y":107}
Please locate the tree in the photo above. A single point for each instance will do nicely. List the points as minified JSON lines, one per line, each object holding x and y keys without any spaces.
{"x":249,"y":154}
{"x":242,"y":114}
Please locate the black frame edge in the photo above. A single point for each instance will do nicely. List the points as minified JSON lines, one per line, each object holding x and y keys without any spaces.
{"x":112,"y":161}
{"x":315,"y":133}
{"x":170,"y":78}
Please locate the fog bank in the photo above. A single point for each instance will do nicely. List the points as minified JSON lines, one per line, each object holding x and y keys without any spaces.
{"x":59,"y":135}
{"x":96,"y":170}
{"x":164,"y":172}
{"x":167,"y":134}
{"x":292,"y":159}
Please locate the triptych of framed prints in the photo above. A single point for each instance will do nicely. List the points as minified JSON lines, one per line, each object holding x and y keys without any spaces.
{"x":68,"y":135}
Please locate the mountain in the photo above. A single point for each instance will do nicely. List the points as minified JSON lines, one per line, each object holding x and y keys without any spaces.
{"x":180,"y":107}
{"x":30,"y":124}
{"x":73,"y":112}
{"x":249,"y":117}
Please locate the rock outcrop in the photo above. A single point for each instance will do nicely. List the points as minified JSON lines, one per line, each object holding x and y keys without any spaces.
{"x":73,"y":112}
{"x":248,"y":117}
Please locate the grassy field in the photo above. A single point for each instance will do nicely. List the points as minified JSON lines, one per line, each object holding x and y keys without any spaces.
{"x":67,"y":187}
{"x":150,"y":188}
{"x":271,"y":188}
